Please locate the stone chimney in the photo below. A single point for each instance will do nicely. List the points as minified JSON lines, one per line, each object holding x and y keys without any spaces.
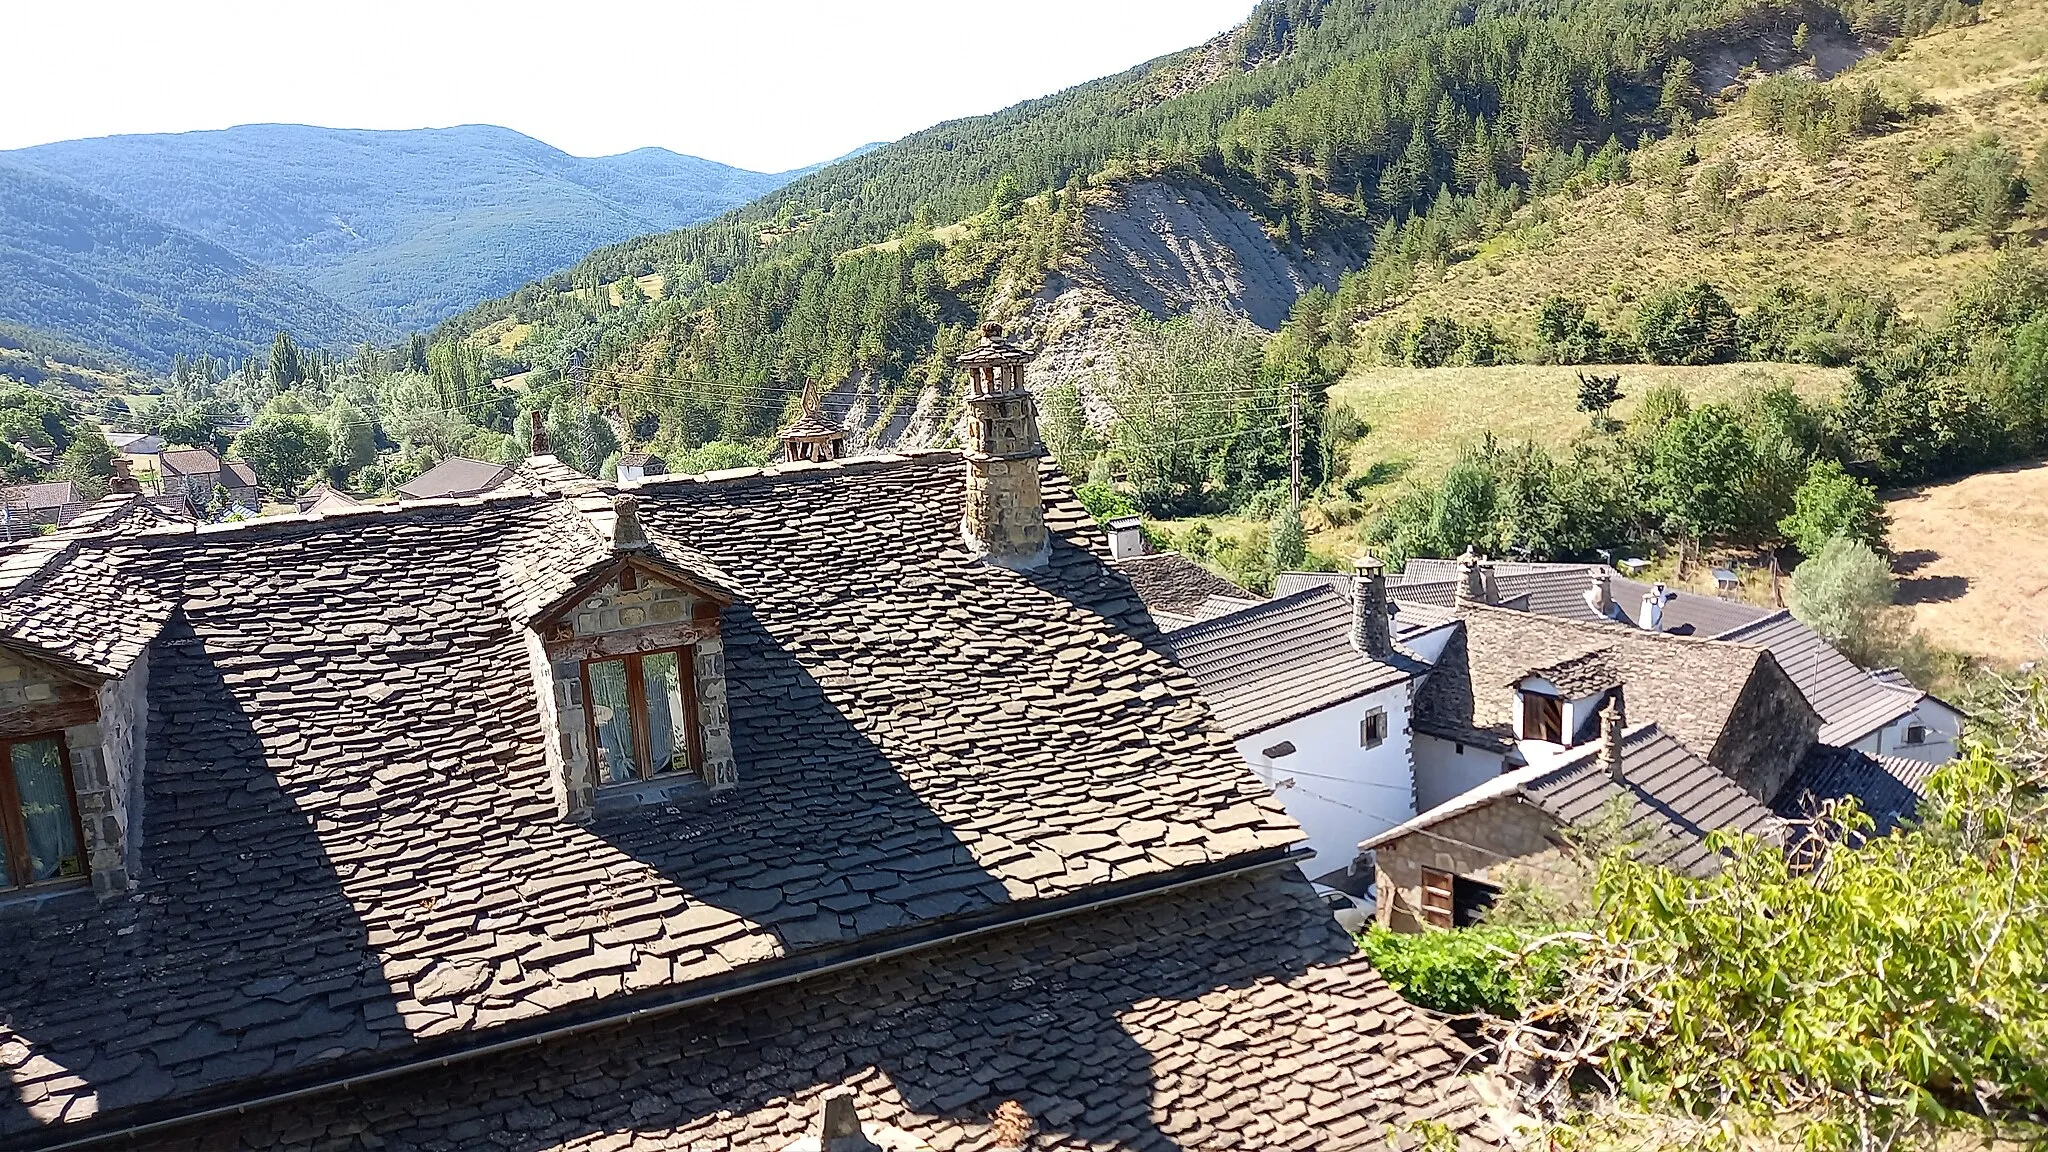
{"x":1600,"y":597}
{"x":1475,"y":580}
{"x":539,"y":445}
{"x":123,"y":481}
{"x":1613,"y":719}
{"x":1005,"y":518}
{"x":839,"y":1127}
{"x":1652,"y":617}
{"x":1371,"y":631}
{"x":627,"y":534}
{"x":1126,"y":537}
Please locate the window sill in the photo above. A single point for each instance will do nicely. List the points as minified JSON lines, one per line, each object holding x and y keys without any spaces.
{"x":616,"y":799}
{"x":14,"y":900}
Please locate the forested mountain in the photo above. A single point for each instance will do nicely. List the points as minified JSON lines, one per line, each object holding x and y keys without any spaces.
{"x":1339,"y":127}
{"x":77,"y":264}
{"x":408,"y":226}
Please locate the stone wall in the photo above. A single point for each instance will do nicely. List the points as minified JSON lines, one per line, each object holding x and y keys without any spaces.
{"x":1769,"y":731}
{"x":102,"y":729}
{"x":611,"y":621}
{"x":1501,"y":840}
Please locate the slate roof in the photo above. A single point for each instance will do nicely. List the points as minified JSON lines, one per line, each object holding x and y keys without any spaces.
{"x":188,"y":461}
{"x":1176,"y":588}
{"x":77,"y":610}
{"x":1580,"y":676}
{"x":1851,"y":702}
{"x":323,"y":498}
{"x":1556,"y":589}
{"x":1690,"y":686}
{"x":1215,"y":1018}
{"x":812,"y":425}
{"x":1675,"y":798}
{"x":352,"y":853}
{"x":135,"y":443}
{"x":456,"y":476}
{"x":1889,"y":788}
{"x":41,"y":497}
{"x":1279,"y":661}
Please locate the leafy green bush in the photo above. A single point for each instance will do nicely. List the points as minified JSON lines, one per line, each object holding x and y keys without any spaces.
{"x":1842,"y":592}
{"x":1833,"y":503}
{"x":1865,"y":997}
{"x":1977,"y":183}
{"x":1692,"y":324}
{"x":1478,"y":969}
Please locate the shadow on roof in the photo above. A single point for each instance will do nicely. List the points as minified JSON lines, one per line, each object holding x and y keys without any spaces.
{"x":204,"y":997}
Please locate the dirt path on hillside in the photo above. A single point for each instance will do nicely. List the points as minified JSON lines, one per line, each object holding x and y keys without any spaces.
{"x":1973,"y":561}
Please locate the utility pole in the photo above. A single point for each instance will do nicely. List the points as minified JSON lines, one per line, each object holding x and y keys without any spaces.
{"x":1294,"y":445}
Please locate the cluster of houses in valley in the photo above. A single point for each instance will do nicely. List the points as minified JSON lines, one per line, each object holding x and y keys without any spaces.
{"x":870,"y":802}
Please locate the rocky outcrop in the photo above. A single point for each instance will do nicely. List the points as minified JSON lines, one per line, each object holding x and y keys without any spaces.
{"x":1150,"y":247}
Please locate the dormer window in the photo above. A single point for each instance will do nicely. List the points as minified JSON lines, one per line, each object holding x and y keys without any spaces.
{"x":40,"y":836}
{"x":643,"y":715}
{"x":1542,"y":717}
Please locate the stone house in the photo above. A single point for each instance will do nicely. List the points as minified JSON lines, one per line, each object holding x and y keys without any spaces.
{"x":28,"y":508}
{"x":1443,"y":868}
{"x":191,"y":475}
{"x":575,"y":816}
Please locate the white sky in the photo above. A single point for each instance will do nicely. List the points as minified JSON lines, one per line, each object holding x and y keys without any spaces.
{"x":758,"y":83}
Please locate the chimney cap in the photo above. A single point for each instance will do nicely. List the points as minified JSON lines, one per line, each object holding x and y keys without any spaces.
{"x":627,"y":534}
{"x":994,"y":351}
{"x":1367,"y":564}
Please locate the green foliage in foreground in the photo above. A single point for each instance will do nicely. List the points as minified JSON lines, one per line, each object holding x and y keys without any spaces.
{"x":1480,"y":969}
{"x":1889,"y":990}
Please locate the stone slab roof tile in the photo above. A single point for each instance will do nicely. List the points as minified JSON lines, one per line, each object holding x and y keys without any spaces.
{"x":352,"y":846}
{"x":1888,"y":788}
{"x":1171,"y":583}
{"x":1689,"y":686}
{"x":1280,"y":660}
{"x":455,"y":476}
{"x":1217,"y":1017}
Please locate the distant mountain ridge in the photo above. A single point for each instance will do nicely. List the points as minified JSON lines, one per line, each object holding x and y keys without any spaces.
{"x":402,"y":228}
{"x":77,"y":264}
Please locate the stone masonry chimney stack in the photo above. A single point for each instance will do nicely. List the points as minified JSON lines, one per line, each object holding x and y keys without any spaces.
{"x":1371,"y":631}
{"x":1612,"y":721}
{"x":539,"y":444}
{"x":1005,"y":517}
{"x":1471,"y":587}
{"x":123,"y":481}
{"x":627,"y":534}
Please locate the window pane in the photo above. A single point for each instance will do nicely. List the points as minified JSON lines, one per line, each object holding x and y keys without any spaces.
{"x":662,"y":673}
{"x":46,"y":812}
{"x":614,"y":722}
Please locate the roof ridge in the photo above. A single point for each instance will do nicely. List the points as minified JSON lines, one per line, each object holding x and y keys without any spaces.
{"x":1609,"y":628}
{"x":924,"y":456}
{"x":1777,"y":616}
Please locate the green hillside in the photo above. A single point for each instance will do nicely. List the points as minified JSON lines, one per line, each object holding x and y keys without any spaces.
{"x":406,"y":226}
{"x":77,"y":264}
{"x":1330,"y":121}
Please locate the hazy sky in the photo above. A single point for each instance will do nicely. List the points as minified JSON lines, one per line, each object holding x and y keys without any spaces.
{"x":758,"y":83}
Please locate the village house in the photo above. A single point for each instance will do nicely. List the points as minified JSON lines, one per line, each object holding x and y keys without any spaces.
{"x":457,"y":477}
{"x":1176,"y":589}
{"x":698,"y":813}
{"x":140,"y":449}
{"x":1640,"y":789}
{"x":28,"y":508}
{"x":194,"y":475}
{"x":1873,"y":711}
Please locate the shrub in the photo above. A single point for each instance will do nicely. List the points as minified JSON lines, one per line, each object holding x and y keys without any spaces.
{"x":1288,"y":544}
{"x":1466,"y":969}
{"x":1833,"y":503}
{"x":1842,"y":593}
{"x":1693,"y":324}
{"x":1978,"y":184}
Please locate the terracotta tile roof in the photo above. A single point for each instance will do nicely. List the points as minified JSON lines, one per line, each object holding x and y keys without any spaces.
{"x":1851,"y":701}
{"x":1176,"y":585}
{"x":1220,"y":1017}
{"x":1887,"y":787}
{"x":1280,"y":660}
{"x":1674,"y":799}
{"x":352,"y":851}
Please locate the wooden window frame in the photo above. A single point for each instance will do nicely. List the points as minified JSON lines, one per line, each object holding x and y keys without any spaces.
{"x":14,"y":829}
{"x":1438,"y":914}
{"x":1366,"y":738}
{"x":1537,"y":707}
{"x":636,"y":702}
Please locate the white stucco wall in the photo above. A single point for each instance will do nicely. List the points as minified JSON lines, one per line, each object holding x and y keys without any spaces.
{"x":1339,"y":791}
{"x":1944,"y":727}
{"x":1441,"y":771}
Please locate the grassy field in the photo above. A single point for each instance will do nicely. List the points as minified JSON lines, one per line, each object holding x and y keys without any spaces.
{"x":1973,"y":561}
{"x":1419,"y":418}
{"x":1849,"y":219}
